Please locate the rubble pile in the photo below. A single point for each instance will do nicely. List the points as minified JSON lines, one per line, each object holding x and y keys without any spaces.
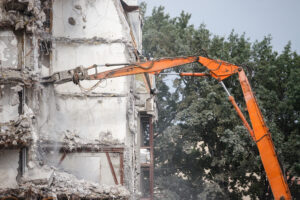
{"x":16,"y":133}
{"x":62,"y":185}
{"x":23,"y":14}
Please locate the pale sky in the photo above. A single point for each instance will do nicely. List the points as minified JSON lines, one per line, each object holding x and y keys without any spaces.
{"x":257,"y":18}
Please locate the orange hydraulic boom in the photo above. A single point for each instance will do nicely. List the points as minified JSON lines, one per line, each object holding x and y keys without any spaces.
{"x":219,"y":70}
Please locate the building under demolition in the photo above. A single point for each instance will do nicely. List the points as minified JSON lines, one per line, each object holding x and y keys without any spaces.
{"x":92,"y":141}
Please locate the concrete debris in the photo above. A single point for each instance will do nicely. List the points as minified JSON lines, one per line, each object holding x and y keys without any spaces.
{"x":17,"y":88}
{"x":38,"y":176}
{"x":72,"y":141}
{"x":16,"y":133}
{"x":12,"y":76}
{"x":22,"y":14}
{"x":93,"y":40}
{"x":107,"y":138}
{"x":62,"y":185}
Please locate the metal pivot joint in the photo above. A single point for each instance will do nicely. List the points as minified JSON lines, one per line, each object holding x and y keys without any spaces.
{"x":79,"y":74}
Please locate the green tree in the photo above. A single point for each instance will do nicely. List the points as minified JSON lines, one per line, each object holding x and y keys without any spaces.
{"x":202,"y":150}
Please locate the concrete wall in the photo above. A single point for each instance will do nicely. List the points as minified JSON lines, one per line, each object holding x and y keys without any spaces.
{"x":9,"y":99}
{"x":97,"y":18}
{"x":102,"y":19}
{"x":49,"y":37}
{"x":9,"y":109}
{"x":87,"y":33}
{"x":9,"y":103}
{"x":8,"y":49}
{"x":9,"y":168}
{"x":89,"y":166}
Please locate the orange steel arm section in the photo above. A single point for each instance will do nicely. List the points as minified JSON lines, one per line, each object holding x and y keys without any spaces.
{"x":264,"y":143}
{"x":153,"y":67}
{"x":218,"y":69}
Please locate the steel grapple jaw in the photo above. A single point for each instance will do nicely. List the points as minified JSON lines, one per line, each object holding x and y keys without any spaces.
{"x":75,"y":75}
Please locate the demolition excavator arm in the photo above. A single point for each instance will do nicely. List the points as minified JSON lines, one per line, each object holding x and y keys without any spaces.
{"x":217,"y":69}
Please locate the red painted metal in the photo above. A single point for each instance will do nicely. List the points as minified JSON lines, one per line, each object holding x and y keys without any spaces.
{"x":151,"y":159}
{"x":112,"y":168}
{"x":122,"y":168}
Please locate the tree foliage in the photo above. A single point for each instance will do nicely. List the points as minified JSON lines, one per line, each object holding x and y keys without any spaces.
{"x":202,"y":150}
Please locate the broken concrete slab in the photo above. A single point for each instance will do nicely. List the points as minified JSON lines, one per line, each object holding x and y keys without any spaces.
{"x":38,"y":175}
{"x":67,"y":185}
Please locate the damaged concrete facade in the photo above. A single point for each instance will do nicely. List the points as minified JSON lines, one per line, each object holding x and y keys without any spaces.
{"x":68,"y":141}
